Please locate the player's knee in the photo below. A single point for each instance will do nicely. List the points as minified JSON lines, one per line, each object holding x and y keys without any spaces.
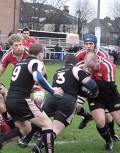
{"x":100,"y":123}
{"x":39,"y":97}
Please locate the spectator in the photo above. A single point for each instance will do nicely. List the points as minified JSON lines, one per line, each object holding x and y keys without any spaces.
{"x":20,"y":33}
{"x":10,"y":33}
{"x":27,"y":40}
{"x":57,"y":48}
{"x":115,"y":56}
{"x":1,"y":53}
{"x":71,"y":49}
{"x":7,"y":46}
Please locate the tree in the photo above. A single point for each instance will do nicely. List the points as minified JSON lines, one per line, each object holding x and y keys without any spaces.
{"x":37,"y":13}
{"x":84,"y":11}
{"x":115,"y":13}
{"x":56,"y":14}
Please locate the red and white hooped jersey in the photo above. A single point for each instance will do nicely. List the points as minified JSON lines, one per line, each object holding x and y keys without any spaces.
{"x":10,"y":58}
{"x":100,"y":52}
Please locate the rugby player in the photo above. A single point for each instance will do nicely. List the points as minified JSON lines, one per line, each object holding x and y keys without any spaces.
{"x":70,"y":79}
{"x":90,"y":42}
{"x":18,"y":102}
{"x":103,"y":71}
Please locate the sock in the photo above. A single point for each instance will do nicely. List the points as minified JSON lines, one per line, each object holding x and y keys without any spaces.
{"x":40,"y":143}
{"x":29,"y":136}
{"x":10,"y":122}
{"x":104,"y":132}
{"x":84,"y":113}
{"x":10,"y":135}
{"x":4,"y":115}
{"x":48,"y":140}
{"x":111,"y":128}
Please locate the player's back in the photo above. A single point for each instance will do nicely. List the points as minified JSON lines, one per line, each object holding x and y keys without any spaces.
{"x":65,"y":79}
{"x":21,"y":80}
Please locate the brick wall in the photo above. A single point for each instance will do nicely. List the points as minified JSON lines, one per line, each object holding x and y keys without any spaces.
{"x":9,"y":16}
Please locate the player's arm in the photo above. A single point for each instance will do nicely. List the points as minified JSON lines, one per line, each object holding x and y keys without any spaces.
{"x":38,"y":77}
{"x":4,"y":64}
{"x":3,"y":90}
{"x":2,"y":69}
{"x":91,"y":86}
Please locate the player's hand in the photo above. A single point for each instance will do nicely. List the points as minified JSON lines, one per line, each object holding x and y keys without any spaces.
{"x":58,"y":91}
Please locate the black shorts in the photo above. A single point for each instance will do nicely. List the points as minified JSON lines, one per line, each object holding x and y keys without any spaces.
{"x":111,"y":105}
{"x":22,"y":109}
{"x":62,"y":108}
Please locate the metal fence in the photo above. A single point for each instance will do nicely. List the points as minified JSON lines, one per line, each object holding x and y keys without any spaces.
{"x":3,"y":38}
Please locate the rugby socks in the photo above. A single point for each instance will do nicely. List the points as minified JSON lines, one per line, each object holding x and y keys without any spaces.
{"x":9,"y":121}
{"x":111,"y":128}
{"x":105,"y":134}
{"x":29,"y":136}
{"x":4,"y":115}
{"x":48,"y":140}
{"x":40,"y":143}
{"x":84,"y":113}
{"x":10,"y":135}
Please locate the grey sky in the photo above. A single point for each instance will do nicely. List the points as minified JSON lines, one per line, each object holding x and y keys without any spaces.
{"x":104,"y":6}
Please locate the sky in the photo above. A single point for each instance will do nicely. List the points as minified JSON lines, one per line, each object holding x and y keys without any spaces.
{"x":104,"y":6}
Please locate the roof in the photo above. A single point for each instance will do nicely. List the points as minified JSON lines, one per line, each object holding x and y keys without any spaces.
{"x":47,"y":13}
{"x":110,"y":25}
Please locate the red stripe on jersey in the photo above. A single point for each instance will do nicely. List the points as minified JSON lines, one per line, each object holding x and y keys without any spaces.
{"x":107,"y":71}
{"x":10,"y":58}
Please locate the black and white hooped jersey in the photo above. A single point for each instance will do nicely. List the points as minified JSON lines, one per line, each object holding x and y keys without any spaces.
{"x":69,"y":79}
{"x":22,"y":79}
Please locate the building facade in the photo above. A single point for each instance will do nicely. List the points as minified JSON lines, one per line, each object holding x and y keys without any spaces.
{"x":9,"y":16}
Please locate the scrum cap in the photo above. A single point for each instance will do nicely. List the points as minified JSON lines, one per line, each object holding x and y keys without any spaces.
{"x":90,"y":37}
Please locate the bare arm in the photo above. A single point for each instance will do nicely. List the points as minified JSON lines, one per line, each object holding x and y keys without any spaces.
{"x":2,"y":69}
{"x":3,"y":91}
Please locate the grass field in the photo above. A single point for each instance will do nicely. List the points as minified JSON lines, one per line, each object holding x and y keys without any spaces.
{"x":72,"y":140}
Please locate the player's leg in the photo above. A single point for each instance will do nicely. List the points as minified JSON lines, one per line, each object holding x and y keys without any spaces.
{"x":38,"y":94}
{"x":42,"y":121}
{"x":80,"y":110}
{"x":110,"y":123}
{"x":23,"y":129}
{"x":63,"y":110}
{"x":99,"y":118}
{"x":98,"y":113}
{"x":23,"y":142}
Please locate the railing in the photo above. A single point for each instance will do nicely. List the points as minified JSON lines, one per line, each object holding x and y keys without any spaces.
{"x":48,"y":54}
{"x":45,"y":41}
{"x":3,"y":38}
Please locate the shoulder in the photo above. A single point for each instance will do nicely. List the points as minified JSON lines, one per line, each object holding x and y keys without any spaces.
{"x":107,"y":63}
{"x":75,"y":70}
{"x":8,"y":54}
{"x":32,"y":39}
{"x":38,"y":63}
{"x":80,"y":52}
{"x":25,"y":49}
{"x":103,"y":53}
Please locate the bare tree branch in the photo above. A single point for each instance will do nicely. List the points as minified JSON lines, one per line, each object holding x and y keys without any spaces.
{"x":84,"y":11}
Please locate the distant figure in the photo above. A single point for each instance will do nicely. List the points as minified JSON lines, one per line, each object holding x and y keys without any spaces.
{"x":57,"y":48}
{"x":10,"y":33}
{"x":27,"y":40}
{"x":71,"y":49}
{"x":1,"y":53}
{"x":19,"y":33}
{"x":115,"y":56}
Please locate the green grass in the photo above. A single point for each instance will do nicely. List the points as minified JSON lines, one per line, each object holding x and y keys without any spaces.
{"x":77,"y":141}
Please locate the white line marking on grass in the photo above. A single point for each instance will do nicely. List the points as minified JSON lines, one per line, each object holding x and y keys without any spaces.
{"x":58,"y":142}
{"x":64,"y":142}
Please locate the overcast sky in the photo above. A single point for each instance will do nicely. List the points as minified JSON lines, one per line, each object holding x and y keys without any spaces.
{"x":104,"y":6}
